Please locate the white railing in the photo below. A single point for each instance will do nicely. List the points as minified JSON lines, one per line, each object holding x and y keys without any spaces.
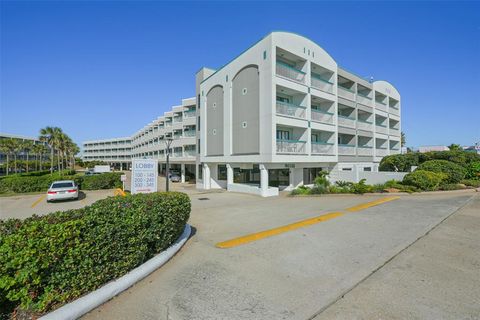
{"x":394,"y":132}
{"x":322,"y":147}
{"x":190,"y":153}
{"x":364,"y":151}
{"x":364,"y":99}
{"x":381,"y":129}
{"x":346,"y":93}
{"x":290,"y":110}
{"x":381,"y":106}
{"x":364,"y":125}
{"x":394,"y":110}
{"x":189,"y":133}
{"x":322,"y":84}
{"x":290,"y":72}
{"x":381,"y":152}
{"x":346,"y":149}
{"x":346,"y":121}
{"x":291,"y":146}
{"x":189,"y":114}
{"x":322,"y":116}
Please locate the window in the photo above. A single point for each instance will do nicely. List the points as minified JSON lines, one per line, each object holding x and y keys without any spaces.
{"x":346,"y":169}
{"x":283,"y":99}
{"x":200,"y":171}
{"x":283,"y":135}
{"x":314,"y":137}
{"x":222,"y":172}
{"x":309,"y":175}
{"x":265,"y":55}
{"x":367,"y":168}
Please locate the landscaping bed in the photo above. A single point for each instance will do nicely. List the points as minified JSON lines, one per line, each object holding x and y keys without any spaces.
{"x":50,"y":260}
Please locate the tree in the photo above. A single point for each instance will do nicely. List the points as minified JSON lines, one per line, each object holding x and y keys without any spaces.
{"x":27,"y":146}
{"x":17,"y":146}
{"x":403,"y":140}
{"x":455,"y":147}
{"x":8,"y":147}
{"x":51,"y":135}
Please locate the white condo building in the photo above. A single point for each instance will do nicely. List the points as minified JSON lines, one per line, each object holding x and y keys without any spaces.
{"x":283,"y":110}
{"x":271,"y":119}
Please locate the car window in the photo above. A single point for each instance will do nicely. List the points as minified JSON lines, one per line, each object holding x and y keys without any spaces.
{"x":62,"y":185}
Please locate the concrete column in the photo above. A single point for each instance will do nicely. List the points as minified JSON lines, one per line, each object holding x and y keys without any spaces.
{"x":206,"y":176}
{"x":182,"y":172}
{"x":263,"y":179}
{"x":229,"y":174}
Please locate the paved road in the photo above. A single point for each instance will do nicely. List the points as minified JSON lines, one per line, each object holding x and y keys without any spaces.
{"x":293,"y":275}
{"x":438,"y":277}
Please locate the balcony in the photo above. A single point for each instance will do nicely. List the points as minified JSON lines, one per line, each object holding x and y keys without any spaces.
{"x":189,"y":113}
{"x":322,"y":116}
{"x":346,"y":93}
{"x":346,"y":149}
{"x":177,"y":154}
{"x":289,"y":72}
{"x":346,"y":121}
{"x":189,"y":133}
{"x":364,"y":99}
{"x":381,"y":152}
{"x":381,"y":105}
{"x":394,"y":132}
{"x":291,"y":146}
{"x":190,"y":153}
{"x":322,"y":148}
{"x":364,"y":151}
{"x":364,"y":125}
{"x":290,"y":110}
{"x":322,"y":84}
{"x":380,"y":128}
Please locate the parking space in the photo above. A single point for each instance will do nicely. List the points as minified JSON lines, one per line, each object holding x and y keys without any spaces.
{"x":292,"y":275}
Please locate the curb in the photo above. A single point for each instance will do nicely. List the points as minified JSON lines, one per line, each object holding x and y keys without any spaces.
{"x":423,"y":193}
{"x":90,"y":301}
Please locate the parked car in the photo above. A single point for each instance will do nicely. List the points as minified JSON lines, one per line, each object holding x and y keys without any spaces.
{"x":62,"y":190}
{"x":175,"y":177}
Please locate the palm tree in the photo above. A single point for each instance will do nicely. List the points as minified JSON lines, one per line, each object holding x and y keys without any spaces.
{"x":403,"y":140}
{"x":8,"y":147}
{"x":455,"y":147}
{"x":36,"y":149}
{"x":42,"y":151}
{"x":51,"y":136}
{"x":17,"y":146}
{"x":27,"y":146}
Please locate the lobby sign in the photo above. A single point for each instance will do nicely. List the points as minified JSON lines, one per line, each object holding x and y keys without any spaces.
{"x":144,"y":176}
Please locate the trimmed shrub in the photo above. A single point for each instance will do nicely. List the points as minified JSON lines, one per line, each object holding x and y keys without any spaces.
{"x":454,"y":172}
{"x":452,"y":186}
{"x":108,"y":180}
{"x":361,"y":187}
{"x":50,"y":260}
{"x":471,"y":183}
{"x":400,"y":162}
{"x":300,"y":190}
{"x":473,"y":170}
{"x":424,"y":180}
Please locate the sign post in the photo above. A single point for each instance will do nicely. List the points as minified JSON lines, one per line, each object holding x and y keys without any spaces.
{"x":144,"y":176}
{"x":123,"y":178}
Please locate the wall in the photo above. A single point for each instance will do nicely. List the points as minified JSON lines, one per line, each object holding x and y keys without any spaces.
{"x":370,"y":176}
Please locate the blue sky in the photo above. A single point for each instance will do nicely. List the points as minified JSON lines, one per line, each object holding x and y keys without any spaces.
{"x":105,"y":69}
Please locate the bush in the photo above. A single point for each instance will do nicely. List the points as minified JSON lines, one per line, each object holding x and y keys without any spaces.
{"x":108,"y":180}
{"x":400,"y":162}
{"x":473,"y":170}
{"x":361,"y":187}
{"x":471,"y":183}
{"x":454,"y":172}
{"x":424,"y":180}
{"x":300,"y":190}
{"x":452,"y":186}
{"x":49,"y":260}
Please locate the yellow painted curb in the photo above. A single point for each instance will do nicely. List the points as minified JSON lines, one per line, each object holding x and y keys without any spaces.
{"x":119,"y":192}
{"x":38,"y":201}
{"x":370,"y":204}
{"x":272,"y":232}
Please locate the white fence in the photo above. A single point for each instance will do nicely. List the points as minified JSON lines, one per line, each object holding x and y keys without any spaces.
{"x":371,"y":177}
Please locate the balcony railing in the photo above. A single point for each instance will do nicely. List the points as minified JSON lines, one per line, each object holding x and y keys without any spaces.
{"x":291,"y":110}
{"x":381,"y":105}
{"x":322,"y":116}
{"x":394,"y":132}
{"x":364,"y":125}
{"x":291,"y":146}
{"x":346,"y":149}
{"x":322,"y":147}
{"x":168,"y":124}
{"x":380,"y":128}
{"x":346,"y":93}
{"x":346,"y":121}
{"x":189,"y":113}
{"x":177,"y":154}
{"x":290,"y":72}
{"x":189,"y":153}
{"x":364,"y":151}
{"x":381,"y":152}
{"x":364,"y":99}
{"x":322,"y":84}
{"x":189,"y":133}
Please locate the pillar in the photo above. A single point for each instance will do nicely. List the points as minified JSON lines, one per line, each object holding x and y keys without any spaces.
{"x":229,"y":174}
{"x":206,"y":176}
{"x":182,"y":172}
{"x":263,"y":179}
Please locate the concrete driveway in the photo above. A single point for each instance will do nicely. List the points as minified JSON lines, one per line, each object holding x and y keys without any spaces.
{"x":292,"y":275}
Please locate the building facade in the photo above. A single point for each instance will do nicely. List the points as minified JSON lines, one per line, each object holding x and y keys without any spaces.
{"x":283,"y":110}
{"x":177,"y":125}
{"x":22,"y":155}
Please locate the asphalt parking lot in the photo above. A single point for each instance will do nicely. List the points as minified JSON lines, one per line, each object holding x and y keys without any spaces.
{"x":380,"y":258}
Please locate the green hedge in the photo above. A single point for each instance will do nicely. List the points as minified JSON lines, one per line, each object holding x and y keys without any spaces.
{"x":454,"y":172}
{"x":50,"y":260}
{"x":424,"y":180}
{"x":19,"y":184}
{"x":403,"y":162}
